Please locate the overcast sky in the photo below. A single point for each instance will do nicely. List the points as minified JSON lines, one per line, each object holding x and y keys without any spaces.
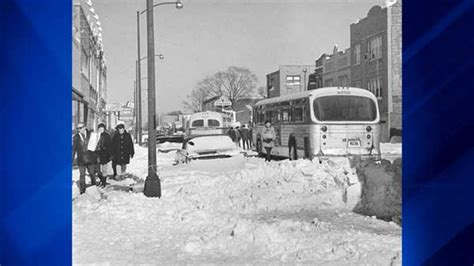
{"x":207,"y":36}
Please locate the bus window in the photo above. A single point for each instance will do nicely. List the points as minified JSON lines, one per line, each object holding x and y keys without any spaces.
{"x":198,"y":123}
{"x":268,"y":115}
{"x":298,"y":114}
{"x":213,"y":123}
{"x":344,"y":108}
{"x":285,"y":115}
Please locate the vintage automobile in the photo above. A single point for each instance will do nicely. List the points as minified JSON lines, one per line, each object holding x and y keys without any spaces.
{"x":208,"y":147}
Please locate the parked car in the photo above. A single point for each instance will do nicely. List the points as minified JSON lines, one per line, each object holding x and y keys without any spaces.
{"x":207,"y":147}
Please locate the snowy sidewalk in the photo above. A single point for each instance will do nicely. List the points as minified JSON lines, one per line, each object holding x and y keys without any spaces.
{"x":236,"y":210}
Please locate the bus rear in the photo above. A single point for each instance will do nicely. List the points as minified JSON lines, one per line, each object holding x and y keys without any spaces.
{"x":346,"y":123}
{"x":205,"y":123}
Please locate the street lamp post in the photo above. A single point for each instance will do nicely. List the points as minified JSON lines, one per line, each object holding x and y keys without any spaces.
{"x":304,"y":84}
{"x":135,"y":106}
{"x":139,"y":83}
{"x":139,"y":121}
{"x":152,"y":183}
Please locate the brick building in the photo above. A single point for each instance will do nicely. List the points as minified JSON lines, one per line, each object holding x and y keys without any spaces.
{"x":288,"y":79}
{"x":89,"y":88}
{"x":315,"y":79}
{"x":376,"y":62}
{"x":336,"y":68}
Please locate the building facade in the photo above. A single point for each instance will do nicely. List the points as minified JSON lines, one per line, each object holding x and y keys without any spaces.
{"x":89,"y":88}
{"x":336,"y":68}
{"x":288,"y":79}
{"x":315,"y":79}
{"x":376,"y":62}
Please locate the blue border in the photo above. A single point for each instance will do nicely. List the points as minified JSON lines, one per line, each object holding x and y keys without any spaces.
{"x":438,"y":121}
{"x":35,"y":137}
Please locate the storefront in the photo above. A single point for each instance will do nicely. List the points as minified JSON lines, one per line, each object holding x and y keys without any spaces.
{"x":79,"y":109}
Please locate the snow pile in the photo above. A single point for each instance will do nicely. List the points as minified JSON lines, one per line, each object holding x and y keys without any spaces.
{"x":391,"y":148}
{"x":382,"y":189}
{"x":236,"y":210}
{"x":139,"y":163}
{"x":168,"y":146}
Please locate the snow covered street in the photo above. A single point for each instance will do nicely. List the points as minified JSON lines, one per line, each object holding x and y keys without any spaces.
{"x":234,"y":210}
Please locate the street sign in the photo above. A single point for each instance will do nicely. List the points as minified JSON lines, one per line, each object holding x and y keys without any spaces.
{"x":222,"y":101}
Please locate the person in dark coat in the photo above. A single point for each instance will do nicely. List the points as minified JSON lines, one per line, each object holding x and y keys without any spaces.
{"x":103,"y":151}
{"x":122,"y":148}
{"x":232,"y":134}
{"x":238,"y":133}
{"x":85,"y":159}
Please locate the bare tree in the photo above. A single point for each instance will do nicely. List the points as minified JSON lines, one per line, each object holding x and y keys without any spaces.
{"x":194,"y":101}
{"x":235,"y":83}
{"x":262,"y":91}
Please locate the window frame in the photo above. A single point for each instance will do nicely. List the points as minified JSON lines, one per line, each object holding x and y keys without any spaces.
{"x":198,"y":120}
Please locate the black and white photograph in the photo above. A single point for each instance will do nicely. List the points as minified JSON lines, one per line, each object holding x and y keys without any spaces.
{"x":237,"y":132}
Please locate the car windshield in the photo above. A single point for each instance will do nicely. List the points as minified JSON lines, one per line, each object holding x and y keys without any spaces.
{"x":344,"y":108}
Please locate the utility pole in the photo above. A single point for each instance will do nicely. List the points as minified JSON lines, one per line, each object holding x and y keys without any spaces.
{"x":304,"y":81}
{"x":135,"y":109}
{"x":139,"y":82}
{"x":152,"y":182}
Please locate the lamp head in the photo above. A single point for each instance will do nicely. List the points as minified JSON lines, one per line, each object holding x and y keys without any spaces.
{"x":179,"y":4}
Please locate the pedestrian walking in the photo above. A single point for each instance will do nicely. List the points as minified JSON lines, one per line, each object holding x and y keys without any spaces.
{"x":268,"y":138}
{"x":104,"y":153}
{"x":245,"y":137}
{"x":122,"y":149}
{"x":86,"y":159}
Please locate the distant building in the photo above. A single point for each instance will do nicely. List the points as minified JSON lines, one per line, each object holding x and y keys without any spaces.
{"x":376,"y":62}
{"x":336,"y":68}
{"x":242,"y":108}
{"x":315,"y":79}
{"x":89,"y":70}
{"x":288,"y":79}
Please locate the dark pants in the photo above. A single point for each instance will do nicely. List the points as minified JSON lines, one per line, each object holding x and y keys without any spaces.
{"x":268,"y":157}
{"x":123,"y":167}
{"x":114,"y":167}
{"x":93,"y":169}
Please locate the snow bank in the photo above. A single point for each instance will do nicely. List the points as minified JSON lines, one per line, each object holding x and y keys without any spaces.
{"x":235,"y":210}
{"x":381,"y":189}
{"x":391,"y":148}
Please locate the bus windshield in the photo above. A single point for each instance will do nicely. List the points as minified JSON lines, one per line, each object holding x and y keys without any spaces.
{"x":344,"y":108}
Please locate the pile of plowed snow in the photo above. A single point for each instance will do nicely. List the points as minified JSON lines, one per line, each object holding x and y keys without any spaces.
{"x":236,"y":210}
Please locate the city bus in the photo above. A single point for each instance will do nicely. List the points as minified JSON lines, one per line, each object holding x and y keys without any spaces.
{"x":332,"y":121}
{"x":205,"y":123}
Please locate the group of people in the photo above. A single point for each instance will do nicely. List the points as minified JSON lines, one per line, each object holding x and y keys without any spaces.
{"x":244,"y":135}
{"x":115,"y":148}
{"x":241,"y":135}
